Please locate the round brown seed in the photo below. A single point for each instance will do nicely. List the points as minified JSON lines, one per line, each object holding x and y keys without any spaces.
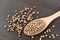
{"x":8,"y":16}
{"x":49,"y":36}
{"x":57,"y":35}
{"x":53,"y":26}
{"x":54,"y":37}
{"x":32,"y":36}
{"x":7,"y":19}
{"x":5,"y":26}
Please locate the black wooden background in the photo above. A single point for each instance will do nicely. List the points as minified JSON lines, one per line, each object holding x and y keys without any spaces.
{"x":45,"y":7}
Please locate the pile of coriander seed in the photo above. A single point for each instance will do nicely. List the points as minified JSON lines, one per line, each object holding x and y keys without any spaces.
{"x":23,"y":17}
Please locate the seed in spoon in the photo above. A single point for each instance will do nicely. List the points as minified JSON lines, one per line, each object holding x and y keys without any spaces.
{"x":38,"y":25}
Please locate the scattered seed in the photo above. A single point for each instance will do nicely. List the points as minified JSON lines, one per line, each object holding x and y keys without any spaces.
{"x":43,"y":36}
{"x":22,"y":11}
{"x":25,"y":8}
{"x":49,"y":36}
{"x":46,"y":35}
{"x":19,"y":16}
{"x":19,"y":36}
{"x":44,"y":32}
{"x":54,"y":37}
{"x":7,"y":19}
{"x":49,"y":30}
{"x":34,"y":7}
{"x":8,"y":29}
{"x":40,"y":38}
{"x":32,"y":36}
{"x":9,"y":26}
{"x":53,"y":26}
{"x":33,"y":12}
{"x":37,"y":12}
{"x":57,"y":35}
{"x":8,"y":16}
{"x":16,"y":10}
{"x":15,"y":15}
{"x":5,"y":26}
{"x":11,"y":30}
{"x":31,"y":8}
{"x":11,"y":21}
{"x":37,"y":16}
{"x":26,"y":14}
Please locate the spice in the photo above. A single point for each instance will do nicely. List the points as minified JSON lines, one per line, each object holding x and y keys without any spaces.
{"x":49,"y":36}
{"x":34,"y":7}
{"x":32,"y":36}
{"x":40,"y":38}
{"x":22,"y":17}
{"x":8,"y":16}
{"x":19,"y":36}
{"x":37,"y":12}
{"x":53,"y":36}
{"x":8,"y":29}
{"x":53,"y":26}
{"x":7,"y":19}
{"x":38,"y":25}
{"x":43,"y":36}
{"x":17,"y":13}
{"x":5,"y":26}
{"x":57,"y":35}
{"x":44,"y":32}
{"x":46,"y":35}
{"x":49,"y":30}
{"x":16,"y":10}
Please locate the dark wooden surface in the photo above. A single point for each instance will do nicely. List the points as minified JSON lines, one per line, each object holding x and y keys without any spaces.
{"x":45,"y":7}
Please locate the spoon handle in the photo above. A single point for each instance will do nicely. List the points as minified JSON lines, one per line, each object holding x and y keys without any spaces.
{"x":54,"y":16}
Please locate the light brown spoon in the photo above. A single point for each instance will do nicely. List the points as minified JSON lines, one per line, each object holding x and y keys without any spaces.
{"x":38,"y":25}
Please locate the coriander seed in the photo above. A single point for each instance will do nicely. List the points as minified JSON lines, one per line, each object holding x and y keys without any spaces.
{"x":57,"y":35}
{"x":49,"y":36}
{"x":8,"y":16}
{"x":5,"y":26}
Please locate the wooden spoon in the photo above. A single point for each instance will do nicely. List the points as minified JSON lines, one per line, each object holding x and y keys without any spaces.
{"x":38,"y":25}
